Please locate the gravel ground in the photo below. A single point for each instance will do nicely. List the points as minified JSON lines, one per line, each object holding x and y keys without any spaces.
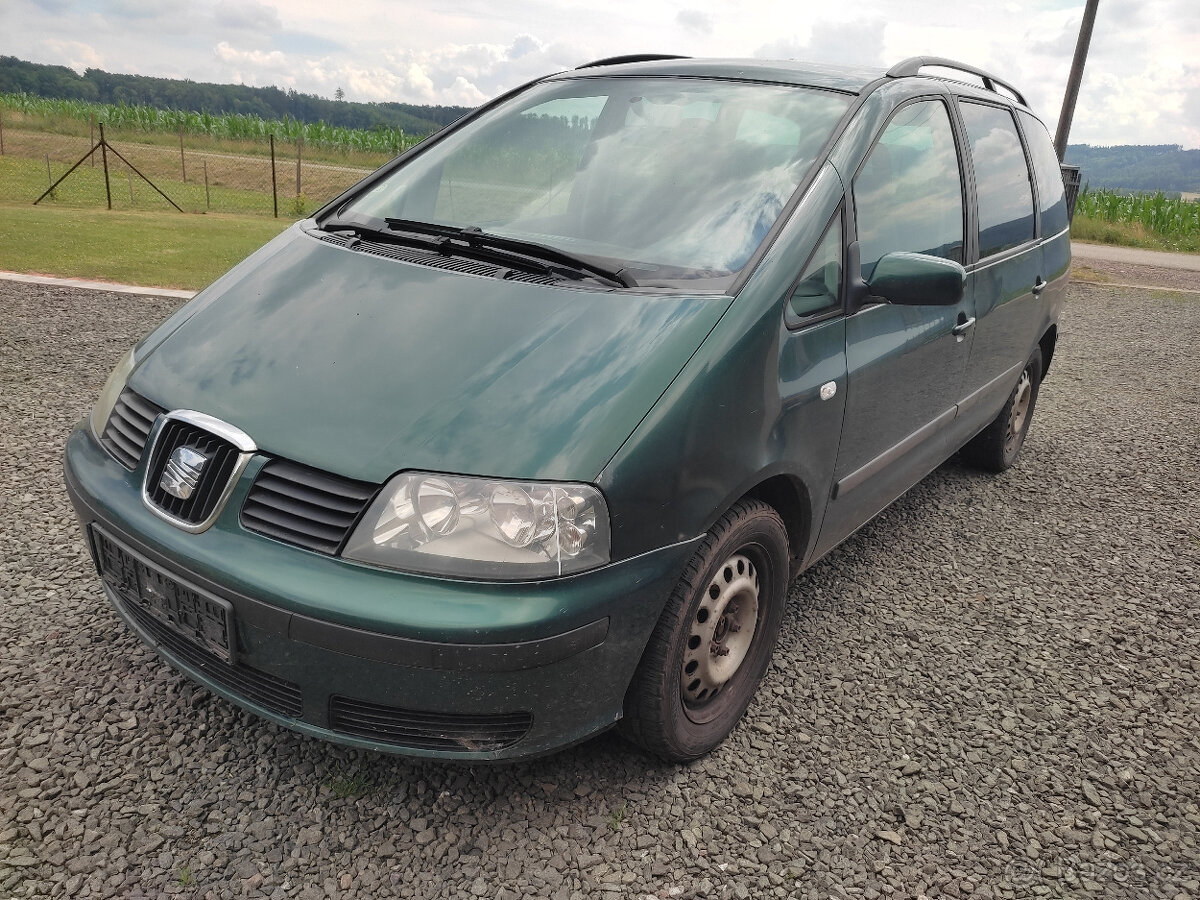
{"x":992,"y":690}
{"x":1105,"y":270}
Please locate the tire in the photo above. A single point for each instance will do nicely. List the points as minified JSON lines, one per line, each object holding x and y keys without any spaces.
{"x":998,"y":446}
{"x":685,"y":697}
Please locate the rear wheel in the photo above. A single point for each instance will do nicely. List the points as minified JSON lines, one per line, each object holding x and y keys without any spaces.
{"x":714,"y":640}
{"x":997,"y":447}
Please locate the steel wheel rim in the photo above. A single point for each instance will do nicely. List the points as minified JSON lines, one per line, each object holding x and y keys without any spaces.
{"x":721,"y":633}
{"x":1022,"y":395}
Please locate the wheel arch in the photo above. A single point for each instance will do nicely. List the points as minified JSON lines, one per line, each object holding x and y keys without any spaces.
{"x":789,"y":497}
{"x":1049,"y":339}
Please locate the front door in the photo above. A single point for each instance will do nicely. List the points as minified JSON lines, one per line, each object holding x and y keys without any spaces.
{"x":906,"y":364}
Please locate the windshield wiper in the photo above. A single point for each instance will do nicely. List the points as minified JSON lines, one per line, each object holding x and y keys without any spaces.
{"x":560,"y":260}
{"x":436,"y":240}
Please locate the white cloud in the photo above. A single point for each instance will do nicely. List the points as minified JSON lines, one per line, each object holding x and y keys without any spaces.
{"x":74,"y":54}
{"x":1140,"y":85}
{"x":695,"y":20}
{"x":246,"y":15}
{"x":844,"y":43}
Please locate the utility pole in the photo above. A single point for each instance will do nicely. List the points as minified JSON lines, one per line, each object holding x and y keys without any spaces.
{"x":1081,"y":51}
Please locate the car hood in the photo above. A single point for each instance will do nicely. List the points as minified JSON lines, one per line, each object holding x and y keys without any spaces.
{"x":366,"y":366}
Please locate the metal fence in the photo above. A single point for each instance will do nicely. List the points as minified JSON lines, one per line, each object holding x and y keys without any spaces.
{"x":157,"y":171}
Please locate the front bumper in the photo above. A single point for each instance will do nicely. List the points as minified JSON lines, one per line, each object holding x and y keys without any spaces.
{"x":384,"y":660}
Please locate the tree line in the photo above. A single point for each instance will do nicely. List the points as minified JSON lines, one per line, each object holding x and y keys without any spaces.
{"x":1157,"y":167}
{"x":98,"y":86}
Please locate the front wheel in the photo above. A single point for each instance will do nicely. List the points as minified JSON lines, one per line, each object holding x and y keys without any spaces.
{"x":713,"y":642}
{"x":997,"y":447}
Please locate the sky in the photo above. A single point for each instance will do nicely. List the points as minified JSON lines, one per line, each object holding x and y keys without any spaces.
{"x":1141,"y":86}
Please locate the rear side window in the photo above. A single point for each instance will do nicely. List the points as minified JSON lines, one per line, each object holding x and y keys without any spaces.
{"x":908,"y":193}
{"x":1051,"y":198}
{"x":1002,"y":183}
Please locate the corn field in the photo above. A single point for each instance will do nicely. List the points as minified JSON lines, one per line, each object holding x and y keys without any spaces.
{"x":233,"y":126}
{"x":1171,"y":219}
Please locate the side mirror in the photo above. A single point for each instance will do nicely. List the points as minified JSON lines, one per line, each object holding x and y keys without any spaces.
{"x":915,"y":279}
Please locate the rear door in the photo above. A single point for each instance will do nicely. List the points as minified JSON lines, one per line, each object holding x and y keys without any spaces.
{"x":1007,"y":275}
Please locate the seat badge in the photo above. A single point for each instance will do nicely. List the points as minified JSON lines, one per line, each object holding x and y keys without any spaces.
{"x":182,"y":472}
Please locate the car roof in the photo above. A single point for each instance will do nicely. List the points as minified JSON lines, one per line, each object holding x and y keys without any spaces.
{"x":851,"y":79}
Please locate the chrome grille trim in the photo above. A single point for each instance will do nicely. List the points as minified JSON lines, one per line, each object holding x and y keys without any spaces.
{"x":229,"y":450}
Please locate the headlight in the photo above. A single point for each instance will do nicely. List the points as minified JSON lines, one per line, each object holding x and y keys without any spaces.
{"x":483,"y":528}
{"x":111,"y":393}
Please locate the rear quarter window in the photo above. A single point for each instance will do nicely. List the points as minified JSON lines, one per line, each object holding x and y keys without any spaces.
{"x":1052,"y":199}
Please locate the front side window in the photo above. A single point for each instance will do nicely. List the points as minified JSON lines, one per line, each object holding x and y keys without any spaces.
{"x":908,"y":193}
{"x":676,"y":180}
{"x":1003,"y":188}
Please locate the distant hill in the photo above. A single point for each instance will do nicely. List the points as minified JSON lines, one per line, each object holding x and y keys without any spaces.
{"x":96,"y":85}
{"x":1159,"y":167}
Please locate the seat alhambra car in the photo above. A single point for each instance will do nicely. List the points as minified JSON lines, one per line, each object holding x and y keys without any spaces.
{"x":528,"y":433}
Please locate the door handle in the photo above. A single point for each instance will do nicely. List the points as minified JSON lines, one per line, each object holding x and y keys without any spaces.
{"x":961,"y":328}
{"x":1039,"y":285}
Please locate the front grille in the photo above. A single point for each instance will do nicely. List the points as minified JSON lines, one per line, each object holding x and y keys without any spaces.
{"x":222,"y":461}
{"x":426,"y":730}
{"x":129,"y":426}
{"x":266,"y":690}
{"x":304,"y":506}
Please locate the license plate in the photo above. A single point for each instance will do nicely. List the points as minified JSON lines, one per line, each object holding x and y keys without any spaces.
{"x":194,"y":615}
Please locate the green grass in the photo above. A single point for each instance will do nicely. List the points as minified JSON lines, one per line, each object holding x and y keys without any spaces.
{"x":617,"y":818}
{"x":159,"y":249}
{"x":1129,"y":234}
{"x":345,"y":783}
{"x":1137,"y":220}
{"x":230,"y":126}
{"x":23,"y":179}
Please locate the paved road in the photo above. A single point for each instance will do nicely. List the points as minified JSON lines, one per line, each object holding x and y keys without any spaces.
{"x":1136,"y":256}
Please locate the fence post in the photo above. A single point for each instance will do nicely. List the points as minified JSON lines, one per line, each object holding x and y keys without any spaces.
{"x":207,"y":202}
{"x":182,"y":162}
{"x":49,"y":177}
{"x":274,"y":188}
{"x":130,"y":174}
{"x":104,"y":160}
{"x":299,"y":151}
{"x":92,"y":135}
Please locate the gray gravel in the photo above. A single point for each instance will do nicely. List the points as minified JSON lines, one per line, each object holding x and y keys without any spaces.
{"x":991,"y":691}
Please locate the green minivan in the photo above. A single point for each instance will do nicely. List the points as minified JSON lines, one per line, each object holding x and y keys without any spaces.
{"x":527,"y":434}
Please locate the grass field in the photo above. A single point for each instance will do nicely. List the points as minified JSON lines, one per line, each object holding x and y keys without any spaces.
{"x":160,"y":249}
{"x":203,"y":130}
{"x":24,"y":180}
{"x":1137,"y":220}
{"x":234,"y":183}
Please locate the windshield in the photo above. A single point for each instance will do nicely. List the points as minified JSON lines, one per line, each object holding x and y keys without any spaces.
{"x":675,"y":181}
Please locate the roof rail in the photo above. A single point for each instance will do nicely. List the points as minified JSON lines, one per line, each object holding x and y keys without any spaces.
{"x":914,"y":64}
{"x":630,"y":58}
